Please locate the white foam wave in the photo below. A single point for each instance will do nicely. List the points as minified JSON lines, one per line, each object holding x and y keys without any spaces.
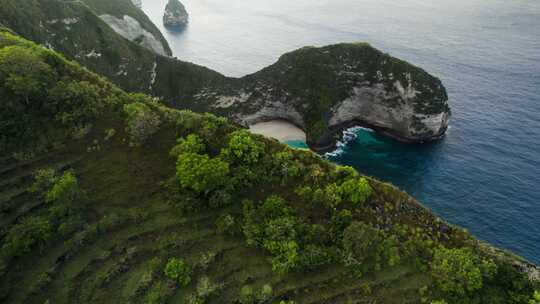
{"x":349,"y":135}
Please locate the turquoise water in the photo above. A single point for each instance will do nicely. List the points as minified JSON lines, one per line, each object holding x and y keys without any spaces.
{"x":485,"y":174}
{"x":298,"y":144}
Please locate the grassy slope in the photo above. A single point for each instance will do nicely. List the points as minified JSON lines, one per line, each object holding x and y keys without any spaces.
{"x":131,"y":219}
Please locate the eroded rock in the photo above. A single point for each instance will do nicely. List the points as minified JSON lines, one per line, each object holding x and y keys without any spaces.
{"x":129,"y":28}
{"x":175,"y":14}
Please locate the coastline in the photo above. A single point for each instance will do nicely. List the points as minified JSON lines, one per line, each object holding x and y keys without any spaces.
{"x":281,"y":130}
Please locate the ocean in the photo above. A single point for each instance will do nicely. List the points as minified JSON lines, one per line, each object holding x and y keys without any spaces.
{"x":484,"y":175}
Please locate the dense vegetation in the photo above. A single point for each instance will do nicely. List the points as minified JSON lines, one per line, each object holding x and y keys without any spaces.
{"x":109,"y":197}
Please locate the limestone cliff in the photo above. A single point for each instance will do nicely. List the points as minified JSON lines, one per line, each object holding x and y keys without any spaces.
{"x":321,"y":90}
{"x":175,"y":14}
{"x":326,"y":89}
{"x":132,"y":30}
{"x":127,"y":19}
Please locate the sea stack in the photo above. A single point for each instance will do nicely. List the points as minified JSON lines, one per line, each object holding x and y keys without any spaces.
{"x":175,"y":14}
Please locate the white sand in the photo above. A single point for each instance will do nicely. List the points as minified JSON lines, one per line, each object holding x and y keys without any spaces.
{"x":279,"y":129}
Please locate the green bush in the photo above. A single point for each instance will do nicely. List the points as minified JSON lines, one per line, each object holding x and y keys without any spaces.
{"x":141,"y":121}
{"x":65,"y":190}
{"x":206,"y":288}
{"x":44,"y":179}
{"x":284,"y":165}
{"x":201,"y":173}
{"x":191,"y":144}
{"x":225,"y":224}
{"x":367,"y":248}
{"x":459,"y":272}
{"x":243,"y":148}
{"x":249,"y":296}
{"x":178,"y":271}
{"x":24,"y":236}
{"x":356,"y":190}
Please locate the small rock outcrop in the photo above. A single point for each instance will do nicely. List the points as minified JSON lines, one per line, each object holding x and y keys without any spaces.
{"x":175,"y":14}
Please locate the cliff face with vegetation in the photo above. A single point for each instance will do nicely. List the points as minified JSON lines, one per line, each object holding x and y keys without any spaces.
{"x":319,"y":89}
{"x":110,"y":197}
{"x":325,"y":89}
{"x":127,"y":19}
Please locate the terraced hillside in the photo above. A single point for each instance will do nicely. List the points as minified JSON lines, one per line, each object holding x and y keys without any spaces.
{"x":109,"y":197}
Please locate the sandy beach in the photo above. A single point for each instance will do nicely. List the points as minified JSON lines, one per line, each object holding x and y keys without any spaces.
{"x":279,"y":129}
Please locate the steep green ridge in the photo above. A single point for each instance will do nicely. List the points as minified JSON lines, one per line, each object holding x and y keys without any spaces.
{"x":322,"y":90}
{"x":91,"y":42}
{"x":109,"y":197}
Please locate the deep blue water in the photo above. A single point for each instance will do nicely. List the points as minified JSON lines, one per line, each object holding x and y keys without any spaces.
{"x":485,"y":174}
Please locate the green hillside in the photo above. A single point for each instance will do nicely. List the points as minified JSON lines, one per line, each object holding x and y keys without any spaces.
{"x":109,"y":197}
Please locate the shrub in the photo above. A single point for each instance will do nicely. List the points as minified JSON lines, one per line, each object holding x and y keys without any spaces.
{"x":201,"y":173}
{"x":191,"y":144}
{"x":206,"y":260}
{"x":24,"y":73}
{"x":356,"y":190}
{"x":459,"y":271}
{"x":158,"y":294}
{"x":206,"y":288}
{"x":243,"y":148}
{"x":219,"y":199}
{"x":284,"y":255}
{"x":65,"y":190}
{"x":22,"y":237}
{"x":284,"y":165}
{"x":225,"y":224}
{"x":179,"y":271}
{"x":142,"y":122}
{"x":368,"y":248}
{"x":249,"y":296}
{"x":44,"y":179}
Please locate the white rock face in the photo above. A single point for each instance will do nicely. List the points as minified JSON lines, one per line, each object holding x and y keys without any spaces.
{"x":272,"y":111}
{"x":175,"y":14}
{"x":379,"y":108}
{"x":131,"y":29}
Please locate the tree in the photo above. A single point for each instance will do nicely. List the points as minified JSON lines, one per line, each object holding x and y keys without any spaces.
{"x":44,"y":179}
{"x":191,"y":144}
{"x":356,"y":190}
{"x":459,"y":271}
{"x":65,"y":190}
{"x":142,"y":122}
{"x":75,"y":102}
{"x":201,"y":173}
{"x":243,"y":148}
{"x":179,"y":271}
{"x":25,"y":74}
{"x":284,"y":255}
{"x":22,"y":237}
{"x":361,"y":240}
